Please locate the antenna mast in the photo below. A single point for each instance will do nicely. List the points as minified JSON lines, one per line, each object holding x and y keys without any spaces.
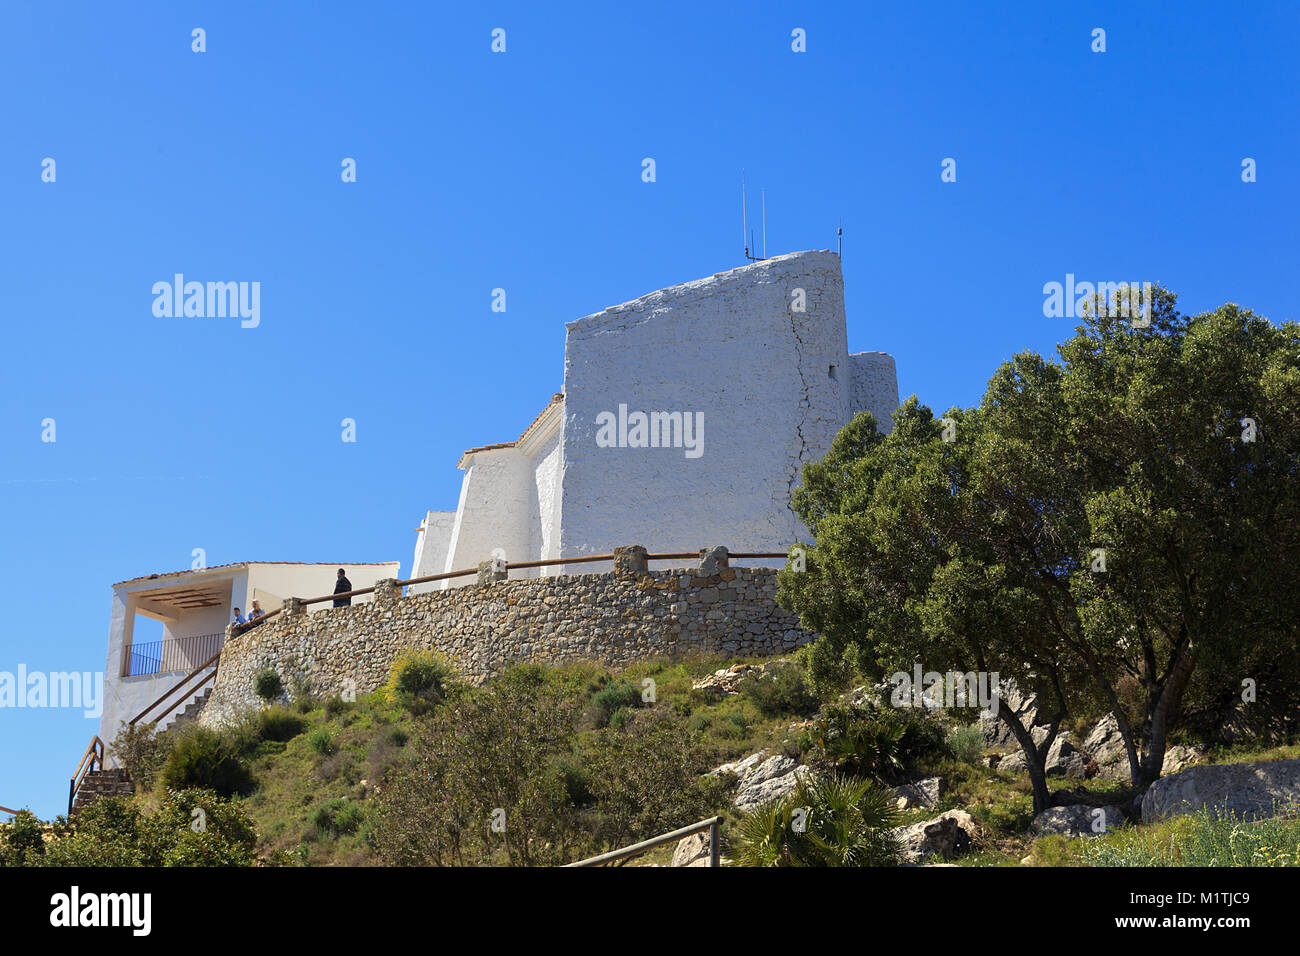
{"x":744,"y":218}
{"x":746,"y":237}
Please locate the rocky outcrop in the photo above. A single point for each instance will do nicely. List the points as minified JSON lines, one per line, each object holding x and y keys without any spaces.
{"x":774,"y":778}
{"x":1247,"y":790}
{"x":1179,"y":757}
{"x":726,"y":681}
{"x":1063,"y":759}
{"x":761,"y":777}
{"x":1078,"y":820}
{"x":995,"y":730}
{"x":946,"y":836}
{"x":1105,"y":743}
{"x":922,"y":793}
{"x":1066,"y":760}
{"x":740,"y":767}
{"x":1013,"y":763}
{"x":692,"y":850}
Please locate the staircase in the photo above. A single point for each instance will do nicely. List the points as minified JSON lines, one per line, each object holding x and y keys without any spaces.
{"x":192,"y":710}
{"x":102,"y":783}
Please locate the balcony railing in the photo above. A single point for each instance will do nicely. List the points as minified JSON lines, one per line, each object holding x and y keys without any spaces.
{"x":175,"y":654}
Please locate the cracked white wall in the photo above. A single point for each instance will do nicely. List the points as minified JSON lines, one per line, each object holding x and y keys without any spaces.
{"x":773,"y":384}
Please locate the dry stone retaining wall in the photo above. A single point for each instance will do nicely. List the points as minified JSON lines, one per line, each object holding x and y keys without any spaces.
{"x":615,"y":618}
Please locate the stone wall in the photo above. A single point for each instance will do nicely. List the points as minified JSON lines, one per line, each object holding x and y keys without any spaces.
{"x":616,"y":618}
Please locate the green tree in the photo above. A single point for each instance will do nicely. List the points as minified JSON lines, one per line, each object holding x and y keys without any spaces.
{"x":1099,"y":528}
{"x":187,"y":828}
{"x":483,"y":786}
{"x":22,"y":842}
{"x":645,"y":779}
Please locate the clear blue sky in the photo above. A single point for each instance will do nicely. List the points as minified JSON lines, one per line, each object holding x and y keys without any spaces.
{"x":523,"y":171}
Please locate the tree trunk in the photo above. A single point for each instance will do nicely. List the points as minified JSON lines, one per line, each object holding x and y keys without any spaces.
{"x":1161,"y":716}
{"x":1033,"y":760}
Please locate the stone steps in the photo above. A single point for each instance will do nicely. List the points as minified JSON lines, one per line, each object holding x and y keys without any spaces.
{"x":102,"y":783}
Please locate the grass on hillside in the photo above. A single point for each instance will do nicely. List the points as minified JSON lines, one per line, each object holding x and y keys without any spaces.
{"x":316,"y":769}
{"x":312,"y":802}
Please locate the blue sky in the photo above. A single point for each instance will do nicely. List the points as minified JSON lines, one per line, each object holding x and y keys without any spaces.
{"x":522,"y":171}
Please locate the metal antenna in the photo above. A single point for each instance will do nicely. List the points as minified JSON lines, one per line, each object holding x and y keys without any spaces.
{"x":744,"y":218}
{"x":840,"y":232}
{"x":748,"y":234}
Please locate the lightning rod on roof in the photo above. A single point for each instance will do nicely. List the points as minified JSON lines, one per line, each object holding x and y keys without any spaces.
{"x":746,"y":234}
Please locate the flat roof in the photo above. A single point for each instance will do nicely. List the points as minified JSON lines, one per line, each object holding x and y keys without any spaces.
{"x":244,"y":564}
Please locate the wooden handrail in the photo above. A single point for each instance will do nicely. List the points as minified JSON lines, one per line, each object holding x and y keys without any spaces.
{"x":181,"y":683}
{"x":342,"y":594}
{"x":510,"y":566}
{"x":179,"y":700}
{"x":241,"y":628}
{"x":12,"y":813}
{"x":95,"y":754}
{"x":95,"y":751}
{"x":715,"y":854}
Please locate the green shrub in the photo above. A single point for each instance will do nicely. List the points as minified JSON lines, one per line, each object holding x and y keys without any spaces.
{"x":830,"y":672}
{"x":398,"y":736}
{"x":188,"y":828}
{"x":782,"y":690}
{"x":610,"y":699}
{"x":966,"y":743}
{"x":699,"y":722}
{"x":338,"y":816}
{"x":22,"y":843}
{"x":321,"y":741}
{"x":843,"y":822}
{"x":336,"y":705}
{"x":856,"y":742}
{"x":141,"y":752}
{"x":420,"y":681}
{"x":279,"y":724}
{"x":576,"y":780}
{"x":646,"y":780}
{"x":204,"y":759}
{"x":267,"y":684}
{"x":869,"y":740}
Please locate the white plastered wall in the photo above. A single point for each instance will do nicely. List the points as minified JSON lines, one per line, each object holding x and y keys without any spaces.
{"x":730,"y":347}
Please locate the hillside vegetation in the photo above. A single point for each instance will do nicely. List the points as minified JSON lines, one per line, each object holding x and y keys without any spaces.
{"x":572,"y":761}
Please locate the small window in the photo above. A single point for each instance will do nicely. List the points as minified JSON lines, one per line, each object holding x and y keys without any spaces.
{"x":832,"y":373}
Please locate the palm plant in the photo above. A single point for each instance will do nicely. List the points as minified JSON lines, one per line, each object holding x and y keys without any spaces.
{"x":829,"y":820}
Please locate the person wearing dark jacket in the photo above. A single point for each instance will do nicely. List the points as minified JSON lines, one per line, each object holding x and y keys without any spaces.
{"x":342,"y":586}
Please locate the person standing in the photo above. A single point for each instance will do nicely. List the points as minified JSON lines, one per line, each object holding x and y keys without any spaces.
{"x":342,"y":586}
{"x":239,"y":618}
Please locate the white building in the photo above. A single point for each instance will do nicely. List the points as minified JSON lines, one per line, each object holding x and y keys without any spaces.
{"x":194,"y":608}
{"x":684,"y":419}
